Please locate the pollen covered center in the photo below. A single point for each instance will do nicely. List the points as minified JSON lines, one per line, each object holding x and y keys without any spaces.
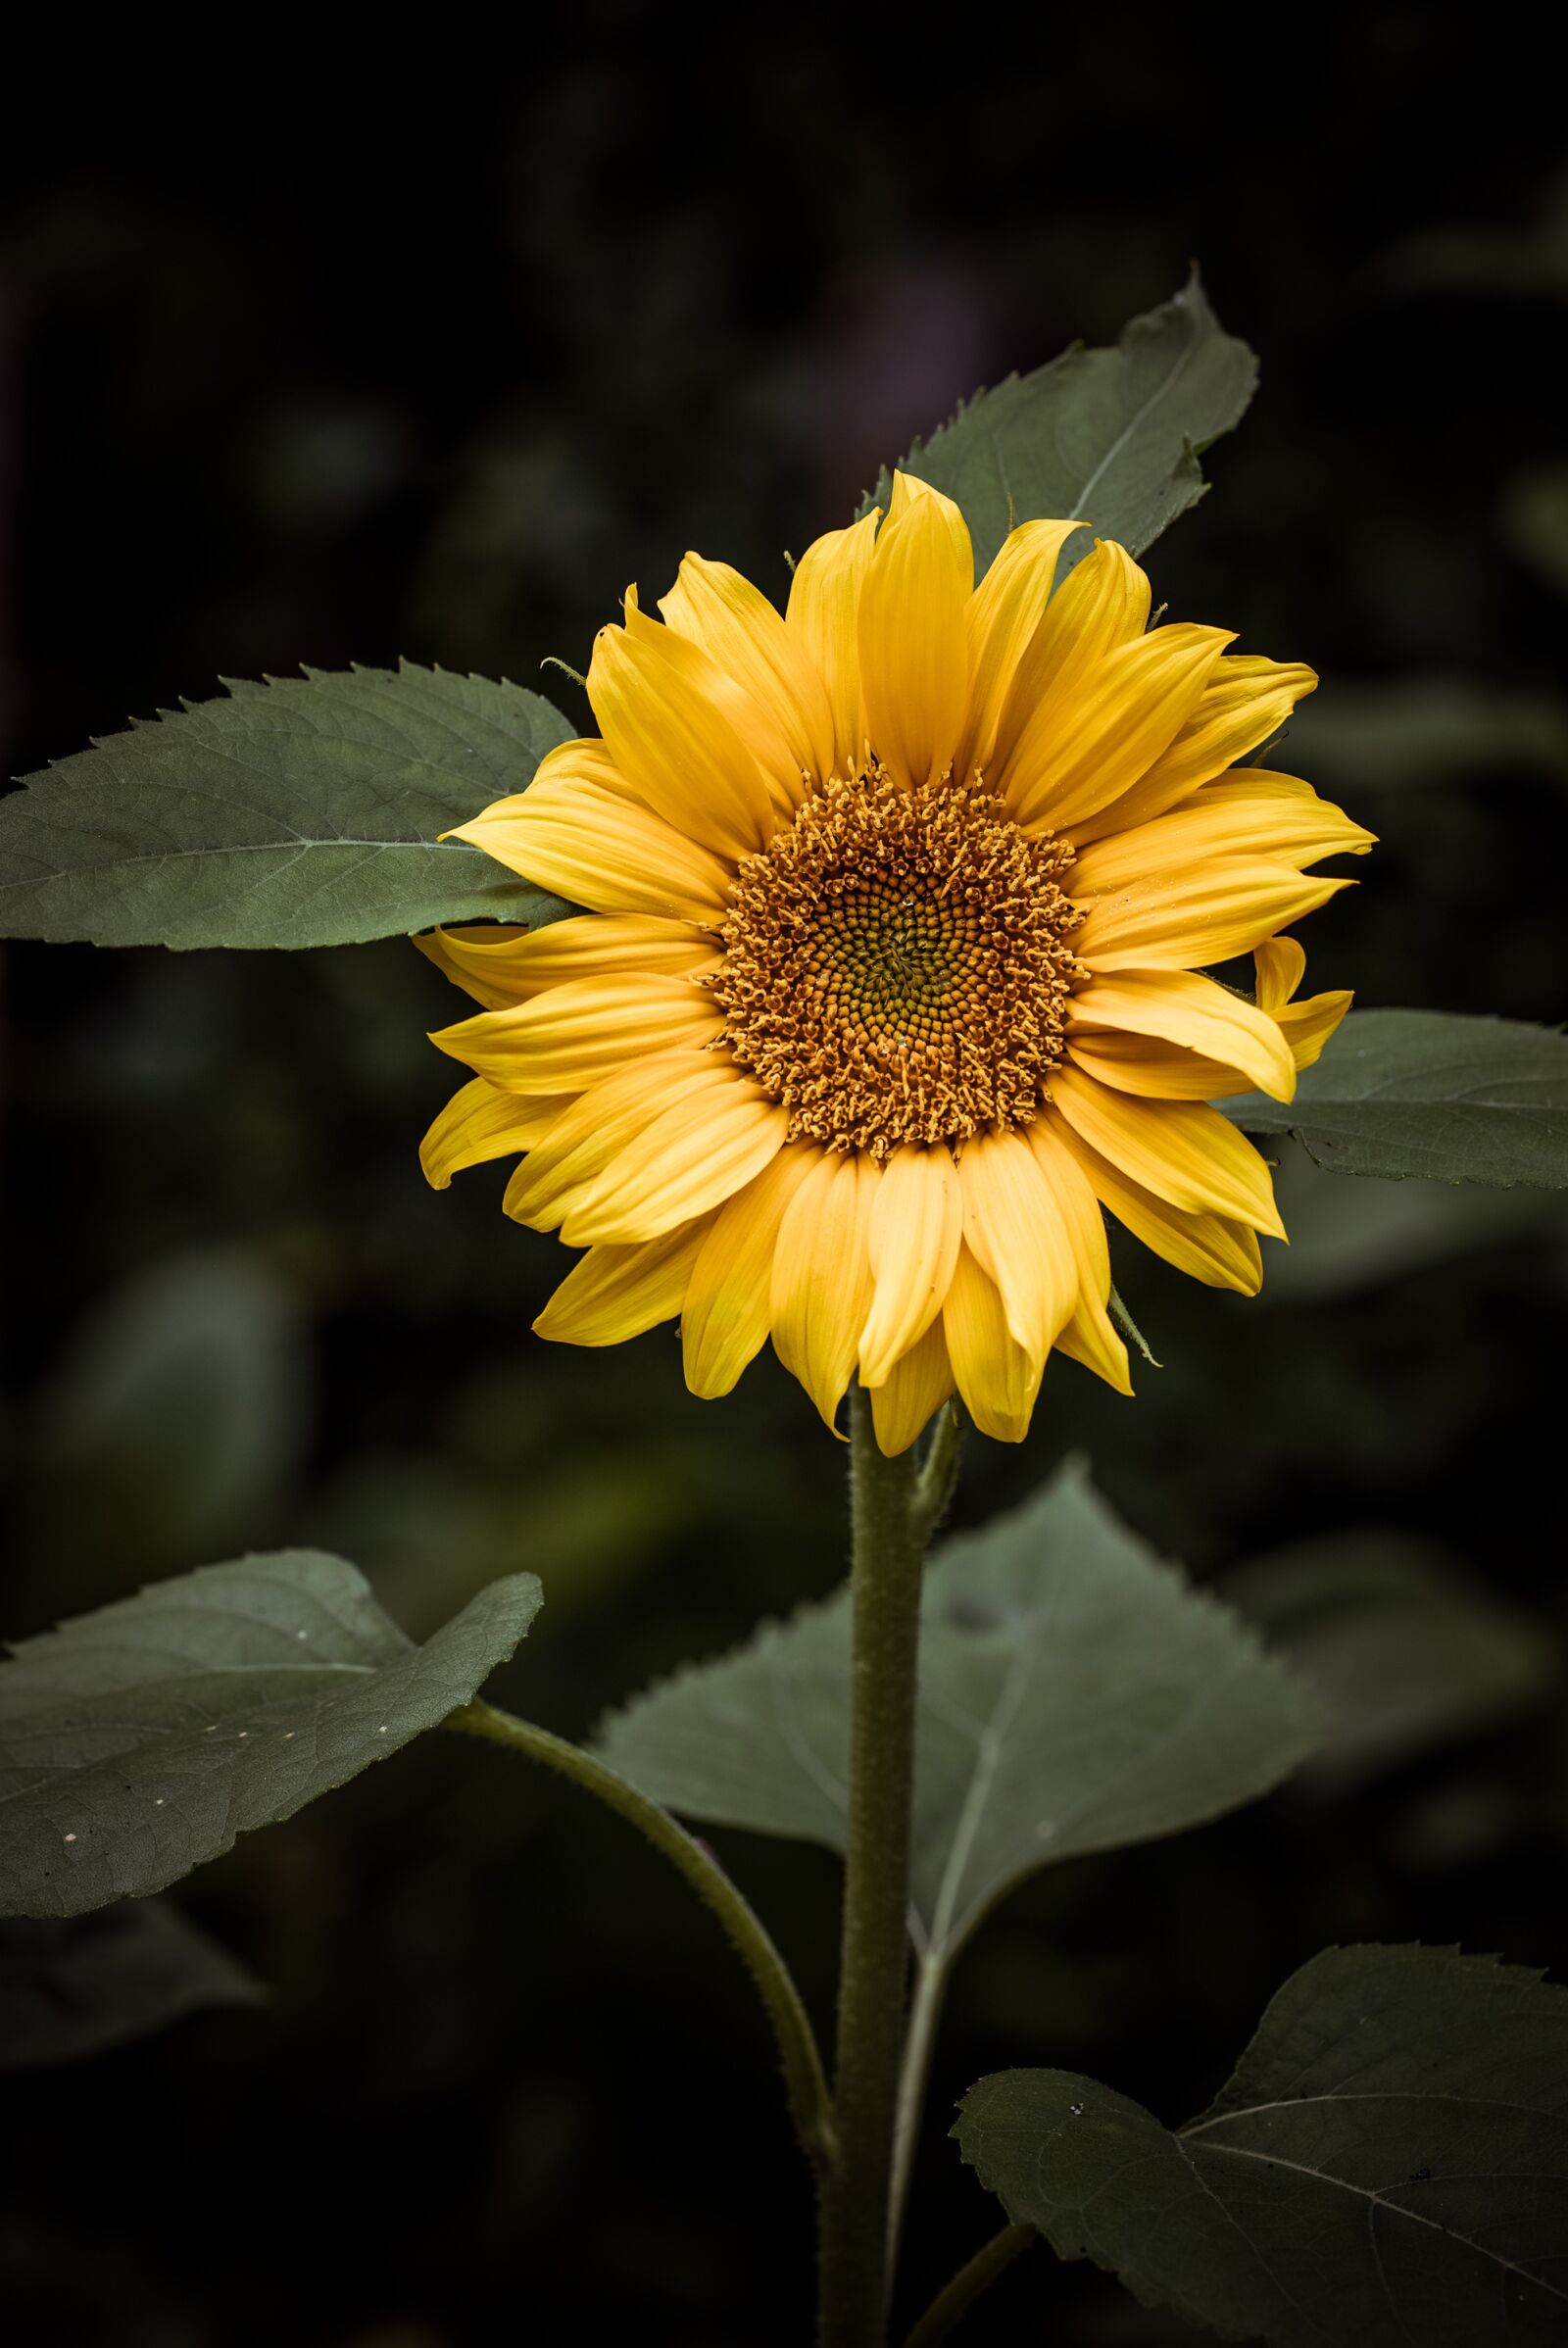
{"x":896,"y":967}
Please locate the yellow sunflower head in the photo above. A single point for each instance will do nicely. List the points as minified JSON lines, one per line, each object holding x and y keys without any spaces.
{"x":889,"y":982}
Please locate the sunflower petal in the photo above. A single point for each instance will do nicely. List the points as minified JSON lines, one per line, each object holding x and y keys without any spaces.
{"x":581,"y":1031}
{"x":1014,"y":1232}
{"x":1087,"y":1336}
{"x":1004,"y":614}
{"x":1213,"y":1249}
{"x":698,"y":1153}
{"x":997,"y":1378}
{"x":728,"y":1308}
{"x":500,"y":966}
{"x":822,"y":1284}
{"x":1271,"y":818}
{"x":1183,"y":1152}
{"x":1198,"y":915}
{"x":824,"y":617}
{"x":1177,"y":1006}
{"x":1101,"y":606}
{"x":577,"y":829}
{"x":591,"y":1131}
{"x":1091,"y":744}
{"x":616,"y":1293}
{"x":914,"y":666}
{"x":478,"y":1123}
{"x":915,"y":1390}
{"x":1153,"y":1070}
{"x":653,"y":691}
{"x":1281,"y":966}
{"x":917,"y":1225}
{"x":771,"y":671}
{"x":1245,"y":701}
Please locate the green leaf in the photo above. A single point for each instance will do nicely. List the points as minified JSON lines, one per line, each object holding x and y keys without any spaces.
{"x":139,"y":1741}
{"x":1075,"y":1695}
{"x":81,"y":1985}
{"x":1404,"y":1647}
{"x":303,"y":811}
{"x":1388,"y":2164}
{"x":1110,"y":436}
{"x":1431,"y":1093}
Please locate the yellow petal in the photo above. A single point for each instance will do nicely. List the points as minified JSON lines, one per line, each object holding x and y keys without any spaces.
{"x":915,"y":1390}
{"x":502,"y":966}
{"x":617,"y":1293}
{"x":1004,"y":613}
{"x":769,"y":667}
{"x":1179,"y":1008}
{"x":821,"y":1284}
{"x":1307,"y":1026}
{"x":1154,"y":1071}
{"x":1281,"y":966}
{"x":1187,"y":1154}
{"x":1102,"y":736}
{"x":478,"y":1123}
{"x":728,"y":1308}
{"x":672,"y":743}
{"x":1177,"y":920}
{"x":590,"y":1133}
{"x":1273,"y":818}
{"x":1089,"y":1335}
{"x":997,"y":1377}
{"x":917,"y":1224}
{"x":701,"y":1151}
{"x":577,"y":829}
{"x":824,"y":617}
{"x":1213,"y":1249}
{"x":914,"y":670}
{"x":1244,"y":703}
{"x":1102,"y":605}
{"x":1012,"y":1228}
{"x":574,"y":1034}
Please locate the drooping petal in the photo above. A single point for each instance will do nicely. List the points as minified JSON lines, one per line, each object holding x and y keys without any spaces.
{"x":1013,"y":1229}
{"x":1200,"y":914}
{"x":1273,"y":818}
{"x":1153,"y":1070}
{"x":616,"y":1293}
{"x":590,"y":1131}
{"x":1180,"y":1008}
{"x":1281,"y":966}
{"x":1306,"y":1026}
{"x":823,"y":615}
{"x":914,"y":670}
{"x":478,"y":1123}
{"x":1101,"y":606}
{"x":1109,"y":731}
{"x":1244,"y":703}
{"x":917,"y":1225}
{"x":1184,"y":1153}
{"x":1209,"y":1248}
{"x":822,"y":1284}
{"x":653,"y":694}
{"x":771,"y":669}
{"x":1087,"y":1336}
{"x":997,"y":1378}
{"x":915,"y":1390}
{"x":698,"y":1153}
{"x":728,"y":1308}
{"x":500,"y":966}
{"x":1003,"y":615}
{"x":567,"y":1038}
{"x":579,"y":830}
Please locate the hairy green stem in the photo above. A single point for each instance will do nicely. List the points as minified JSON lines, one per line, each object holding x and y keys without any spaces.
{"x":925,"y":2007}
{"x":949,"y":2306}
{"x":888,"y":1550}
{"x":810,"y":2107}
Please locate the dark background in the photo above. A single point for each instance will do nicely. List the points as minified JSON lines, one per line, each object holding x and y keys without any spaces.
{"x":429,"y":349}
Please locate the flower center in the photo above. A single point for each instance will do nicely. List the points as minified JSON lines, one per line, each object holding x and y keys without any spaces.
{"x":896,"y":965}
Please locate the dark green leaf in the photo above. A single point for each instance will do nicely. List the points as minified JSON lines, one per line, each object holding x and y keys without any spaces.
{"x":1110,"y":436}
{"x":1403,"y":1647}
{"x":77,"y":1986}
{"x":1431,"y":1093}
{"x":303,"y":811}
{"x":139,"y":1741}
{"x":1075,"y":1695}
{"x":1388,"y":2164}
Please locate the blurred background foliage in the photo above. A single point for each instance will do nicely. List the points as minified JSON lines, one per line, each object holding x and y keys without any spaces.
{"x":430,"y":350}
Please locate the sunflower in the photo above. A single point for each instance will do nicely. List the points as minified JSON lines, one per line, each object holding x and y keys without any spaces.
{"x":889,"y":982}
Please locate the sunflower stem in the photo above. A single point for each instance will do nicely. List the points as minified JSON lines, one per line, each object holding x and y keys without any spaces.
{"x":888,"y":1527}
